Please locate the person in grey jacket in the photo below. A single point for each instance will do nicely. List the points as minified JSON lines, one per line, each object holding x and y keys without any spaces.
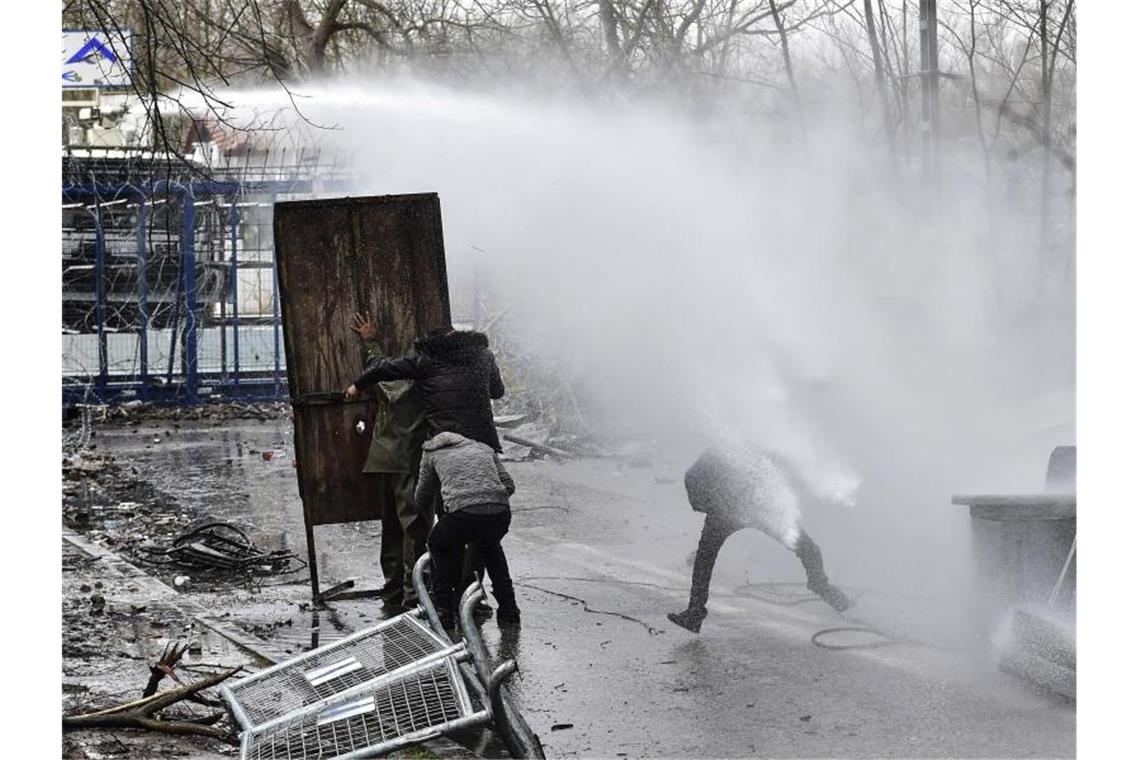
{"x":474,"y":502}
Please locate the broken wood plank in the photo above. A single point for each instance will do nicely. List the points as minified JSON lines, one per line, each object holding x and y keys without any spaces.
{"x":140,"y":713}
{"x":534,"y":445}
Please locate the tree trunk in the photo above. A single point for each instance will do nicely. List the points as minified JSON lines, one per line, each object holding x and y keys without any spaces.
{"x":904,"y":84}
{"x":880,"y":80}
{"x":970,"y":56}
{"x":608,"y":21}
{"x":788,"y":68}
{"x":931,"y":128}
{"x":1046,"y":147}
{"x":319,"y":42}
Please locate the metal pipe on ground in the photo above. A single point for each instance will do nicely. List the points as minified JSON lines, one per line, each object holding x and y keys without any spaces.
{"x":420,"y":584}
{"x":518,"y":736}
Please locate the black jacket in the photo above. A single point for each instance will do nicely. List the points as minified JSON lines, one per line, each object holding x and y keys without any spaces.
{"x":457,"y":377}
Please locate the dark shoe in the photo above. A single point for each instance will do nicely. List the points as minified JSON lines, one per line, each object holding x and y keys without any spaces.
{"x":483,"y":611}
{"x":508,"y":617}
{"x":690,"y":619}
{"x":392,"y":610}
{"x":835,"y":598}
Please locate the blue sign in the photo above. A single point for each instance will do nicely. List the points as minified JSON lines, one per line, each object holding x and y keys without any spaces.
{"x":96,"y":58}
{"x":89,"y":50}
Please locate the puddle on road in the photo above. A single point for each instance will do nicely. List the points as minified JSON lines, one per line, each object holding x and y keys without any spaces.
{"x":243,"y":473}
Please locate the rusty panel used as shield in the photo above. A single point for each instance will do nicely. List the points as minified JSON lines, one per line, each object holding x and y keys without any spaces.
{"x":335,"y":258}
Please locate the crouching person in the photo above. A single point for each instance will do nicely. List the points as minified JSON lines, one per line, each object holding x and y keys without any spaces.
{"x":474,"y":508}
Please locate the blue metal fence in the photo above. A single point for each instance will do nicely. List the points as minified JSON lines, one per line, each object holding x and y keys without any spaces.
{"x":170,"y":291}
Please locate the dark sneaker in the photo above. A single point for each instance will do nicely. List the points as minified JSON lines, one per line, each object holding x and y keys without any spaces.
{"x":392,"y":610}
{"x":483,"y":611}
{"x":835,"y":598}
{"x":506,"y":617}
{"x":690,"y":620}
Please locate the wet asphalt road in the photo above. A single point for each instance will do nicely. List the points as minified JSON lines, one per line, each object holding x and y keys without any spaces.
{"x":598,"y":553}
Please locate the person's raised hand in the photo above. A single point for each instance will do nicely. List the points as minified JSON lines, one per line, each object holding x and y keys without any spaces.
{"x":362,"y":326}
{"x":352,"y":391}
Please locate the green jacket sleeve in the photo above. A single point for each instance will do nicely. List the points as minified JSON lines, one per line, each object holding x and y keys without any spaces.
{"x":373,"y":350}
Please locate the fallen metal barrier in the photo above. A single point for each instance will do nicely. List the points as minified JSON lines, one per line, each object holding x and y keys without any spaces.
{"x":388,"y":648}
{"x":376,"y":717}
{"x":521,"y":741}
{"x":388,"y":686}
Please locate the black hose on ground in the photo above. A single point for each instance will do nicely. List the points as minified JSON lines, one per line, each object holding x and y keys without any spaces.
{"x":770,"y":592}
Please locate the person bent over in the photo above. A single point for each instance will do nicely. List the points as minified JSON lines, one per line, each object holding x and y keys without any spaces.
{"x":474,"y":503}
{"x":737,"y":489}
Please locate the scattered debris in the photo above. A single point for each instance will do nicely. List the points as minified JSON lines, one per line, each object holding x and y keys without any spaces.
{"x":513,"y":452}
{"x":540,"y":447}
{"x":142,"y":713}
{"x":164,"y":667}
{"x":137,"y":411}
{"x":219,"y":548}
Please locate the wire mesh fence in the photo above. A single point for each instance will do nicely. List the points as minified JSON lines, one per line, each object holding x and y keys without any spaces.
{"x":370,"y":721}
{"x":169,"y":288}
{"x":333,"y":669}
{"x":169,"y":292}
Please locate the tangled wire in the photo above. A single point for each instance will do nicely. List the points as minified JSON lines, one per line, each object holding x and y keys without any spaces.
{"x":221,"y":548}
{"x":77,"y":440}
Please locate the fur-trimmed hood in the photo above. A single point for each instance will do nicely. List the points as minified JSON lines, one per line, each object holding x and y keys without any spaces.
{"x":459,"y":347}
{"x":445,"y":439}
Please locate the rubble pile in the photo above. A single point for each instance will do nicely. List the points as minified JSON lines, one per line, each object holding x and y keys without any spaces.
{"x":116,"y":638}
{"x":112,"y":504}
{"x":139,"y":411}
{"x":109,"y":503}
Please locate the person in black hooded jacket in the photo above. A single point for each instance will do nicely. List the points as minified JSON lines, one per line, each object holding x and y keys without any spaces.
{"x":457,"y":377}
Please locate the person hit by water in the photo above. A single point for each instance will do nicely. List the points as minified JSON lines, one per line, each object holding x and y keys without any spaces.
{"x":468,"y":483}
{"x":393,"y":462}
{"x":738,"y":487}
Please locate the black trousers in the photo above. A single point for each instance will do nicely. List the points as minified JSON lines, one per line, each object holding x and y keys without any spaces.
{"x":715,"y":532}
{"x":447,"y":540}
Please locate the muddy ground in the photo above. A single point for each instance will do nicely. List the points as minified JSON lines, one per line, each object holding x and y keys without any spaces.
{"x":598,"y":549}
{"x":115,"y":626}
{"x":123,"y":603}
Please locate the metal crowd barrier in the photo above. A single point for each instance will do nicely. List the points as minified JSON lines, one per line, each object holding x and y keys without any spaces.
{"x":388,"y":686}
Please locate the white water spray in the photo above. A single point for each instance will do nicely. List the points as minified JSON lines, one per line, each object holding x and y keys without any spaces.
{"x":696,"y":283}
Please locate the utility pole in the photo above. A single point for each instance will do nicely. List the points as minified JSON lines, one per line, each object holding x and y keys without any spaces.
{"x":931,"y":122}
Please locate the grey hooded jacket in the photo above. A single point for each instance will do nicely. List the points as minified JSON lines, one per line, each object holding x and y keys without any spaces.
{"x":467,"y":474}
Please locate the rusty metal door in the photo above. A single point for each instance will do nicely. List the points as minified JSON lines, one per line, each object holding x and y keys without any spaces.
{"x":336,"y":258}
